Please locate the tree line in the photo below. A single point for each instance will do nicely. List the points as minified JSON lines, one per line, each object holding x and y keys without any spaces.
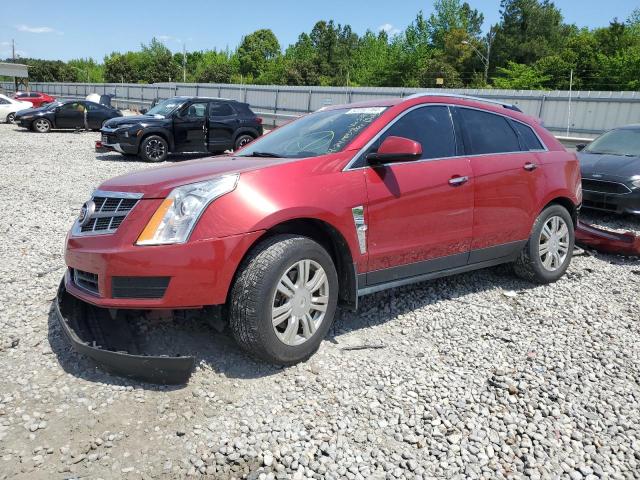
{"x":531,"y":47}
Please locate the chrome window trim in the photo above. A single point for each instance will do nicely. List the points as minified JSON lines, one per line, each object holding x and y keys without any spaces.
{"x":360,"y":152}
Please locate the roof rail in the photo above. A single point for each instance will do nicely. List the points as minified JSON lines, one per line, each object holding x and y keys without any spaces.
{"x":467,"y":97}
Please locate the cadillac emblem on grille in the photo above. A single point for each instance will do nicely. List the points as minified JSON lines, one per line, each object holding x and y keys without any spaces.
{"x":87,"y":210}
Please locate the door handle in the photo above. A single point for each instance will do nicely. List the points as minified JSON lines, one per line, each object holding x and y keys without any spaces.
{"x":457,"y":181}
{"x":530,"y":167}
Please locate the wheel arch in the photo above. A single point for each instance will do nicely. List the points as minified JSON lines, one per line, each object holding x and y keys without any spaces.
{"x":332,"y":241}
{"x":566,"y":203}
{"x":241,"y":131}
{"x":159,"y":132}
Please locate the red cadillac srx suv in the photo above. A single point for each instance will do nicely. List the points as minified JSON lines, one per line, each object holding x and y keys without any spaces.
{"x":343,"y":202}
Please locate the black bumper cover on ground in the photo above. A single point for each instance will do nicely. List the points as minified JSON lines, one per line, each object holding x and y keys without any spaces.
{"x":112,"y":343}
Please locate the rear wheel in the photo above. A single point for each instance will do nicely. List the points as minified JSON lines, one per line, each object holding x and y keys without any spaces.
{"x":547,"y":254}
{"x":41,"y":125}
{"x":154,"y":149}
{"x":243,"y":140}
{"x":11,"y":118}
{"x":284,"y":299}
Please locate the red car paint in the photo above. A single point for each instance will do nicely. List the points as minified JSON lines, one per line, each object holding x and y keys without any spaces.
{"x":37,"y":99}
{"x":605,"y":241}
{"x":416,"y":211}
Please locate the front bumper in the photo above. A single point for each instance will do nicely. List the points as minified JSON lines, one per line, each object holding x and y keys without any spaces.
{"x":607,"y":202}
{"x":112,"y":343}
{"x":112,"y":140}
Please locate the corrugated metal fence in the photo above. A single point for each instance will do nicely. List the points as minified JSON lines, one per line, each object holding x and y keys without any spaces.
{"x":581,"y":113}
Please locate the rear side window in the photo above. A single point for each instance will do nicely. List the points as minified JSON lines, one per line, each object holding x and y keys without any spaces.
{"x":528,"y":138}
{"x":486,"y":132}
{"x":34,"y":95}
{"x":430,"y":126}
{"x":220,"y":110}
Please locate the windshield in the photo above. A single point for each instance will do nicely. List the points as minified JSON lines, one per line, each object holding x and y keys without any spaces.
{"x":316,"y":134}
{"x":624,"y":141}
{"x":166,"y":107}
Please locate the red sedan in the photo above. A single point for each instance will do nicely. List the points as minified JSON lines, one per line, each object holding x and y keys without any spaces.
{"x":38,"y":99}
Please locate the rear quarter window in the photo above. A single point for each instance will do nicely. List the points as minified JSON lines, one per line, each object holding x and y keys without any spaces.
{"x":528,"y":138}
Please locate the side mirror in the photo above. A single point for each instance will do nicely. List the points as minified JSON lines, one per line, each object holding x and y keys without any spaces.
{"x":396,"y":149}
{"x":580,"y":146}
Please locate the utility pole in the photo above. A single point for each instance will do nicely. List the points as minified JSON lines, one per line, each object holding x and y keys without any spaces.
{"x":184,"y":64}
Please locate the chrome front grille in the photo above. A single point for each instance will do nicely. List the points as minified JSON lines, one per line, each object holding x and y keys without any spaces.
{"x":104,"y":213}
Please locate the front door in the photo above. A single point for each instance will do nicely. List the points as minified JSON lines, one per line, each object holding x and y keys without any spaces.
{"x":189,"y":127}
{"x":223,"y":122}
{"x":506,"y":181}
{"x":419,"y":213}
{"x":70,"y":115}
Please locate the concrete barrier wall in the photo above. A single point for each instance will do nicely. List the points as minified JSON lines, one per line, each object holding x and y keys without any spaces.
{"x":577,"y":114}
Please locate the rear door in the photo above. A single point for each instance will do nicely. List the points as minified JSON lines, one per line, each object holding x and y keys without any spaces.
{"x":507,"y":183}
{"x":419,"y":213}
{"x":70,"y":115}
{"x":189,"y":127}
{"x":222,"y":123}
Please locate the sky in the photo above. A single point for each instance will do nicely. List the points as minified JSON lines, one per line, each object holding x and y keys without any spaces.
{"x":67,"y":29}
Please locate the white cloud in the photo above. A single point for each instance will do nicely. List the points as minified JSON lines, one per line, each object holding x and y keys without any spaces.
{"x":30,"y":29}
{"x":389,"y":29}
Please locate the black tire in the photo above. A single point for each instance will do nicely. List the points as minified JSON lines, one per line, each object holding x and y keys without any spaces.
{"x":243,"y":140}
{"x":11,"y":118}
{"x":154,"y":148}
{"x":529,"y":265}
{"x":41,"y":125}
{"x":254,"y":291}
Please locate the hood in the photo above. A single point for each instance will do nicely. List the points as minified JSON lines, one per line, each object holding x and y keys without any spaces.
{"x":146,"y":119}
{"x":158,"y":182}
{"x":30,"y":111}
{"x":608,"y":165}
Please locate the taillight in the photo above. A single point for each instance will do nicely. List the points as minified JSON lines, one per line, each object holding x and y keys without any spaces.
{"x":259,"y":120}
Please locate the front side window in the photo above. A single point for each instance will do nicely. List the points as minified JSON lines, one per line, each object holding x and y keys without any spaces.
{"x":430,"y":126}
{"x":621,"y":142}
{"x":4,"y":102}
{"x":319,"y":133}
{"x":486,"y":132}
{"x":195,"y":110}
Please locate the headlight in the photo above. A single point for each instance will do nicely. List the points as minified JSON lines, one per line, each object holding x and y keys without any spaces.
{"x":635,"y":180}
{"x":126,"y":125}
{"x":26,"y":117}
{"x":178,"y":214}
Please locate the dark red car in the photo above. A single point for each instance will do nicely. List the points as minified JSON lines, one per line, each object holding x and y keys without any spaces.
{"x":38,"y":99}
{"x":343,"y":202}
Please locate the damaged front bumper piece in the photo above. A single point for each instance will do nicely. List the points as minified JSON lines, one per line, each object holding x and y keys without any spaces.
{"x":605,"y":241}
{"x":113,"y":343}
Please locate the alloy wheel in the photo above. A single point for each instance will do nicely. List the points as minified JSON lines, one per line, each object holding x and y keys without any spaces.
{"x":553,"y":246}
{"x":154,"y":149}
{"x":300,"y":302}
{"x":244,"y":141}
{"x":11,"y":118}
{"x":42,"y":125}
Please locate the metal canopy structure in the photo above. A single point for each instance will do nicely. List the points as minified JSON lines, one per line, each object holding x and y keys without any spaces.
{"x":14,"y":70}
{"x":19,"y":72}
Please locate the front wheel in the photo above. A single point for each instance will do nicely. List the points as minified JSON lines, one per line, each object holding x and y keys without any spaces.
{"x":154,"y":149}
{"x":547,"y":254}
{"x":11,"y":118}
{"x":41,"y":125}
{"x":284,"y":299}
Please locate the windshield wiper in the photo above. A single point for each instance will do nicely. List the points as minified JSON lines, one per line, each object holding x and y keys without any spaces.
{"x":263,"y":155}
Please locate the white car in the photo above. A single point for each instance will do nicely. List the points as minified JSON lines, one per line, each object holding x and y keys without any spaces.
{"x":9,"y":107}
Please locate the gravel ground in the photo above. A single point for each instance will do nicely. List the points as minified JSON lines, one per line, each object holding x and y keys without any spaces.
{"x":475,"y":376}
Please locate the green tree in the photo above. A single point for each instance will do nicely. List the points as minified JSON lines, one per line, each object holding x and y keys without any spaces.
{"x":528,"y":30}
{"x":256,"y":50}
{"x":215,"y":67}
{"x":520,"y":77}
{"x":451,"y":15}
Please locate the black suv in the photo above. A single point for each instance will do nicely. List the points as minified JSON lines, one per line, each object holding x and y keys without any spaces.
{"x":182,"y":124}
